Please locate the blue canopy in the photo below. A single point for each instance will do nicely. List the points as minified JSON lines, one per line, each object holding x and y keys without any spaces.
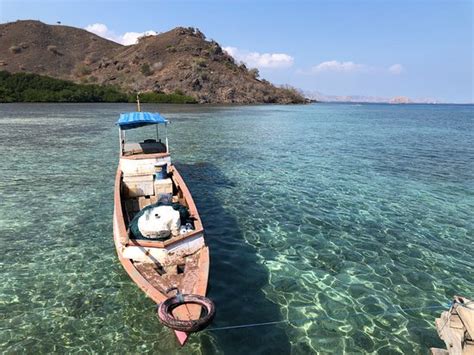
{"x":131,"y":120}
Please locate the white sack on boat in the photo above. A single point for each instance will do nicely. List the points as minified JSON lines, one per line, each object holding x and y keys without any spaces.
{"x":159,"y":222}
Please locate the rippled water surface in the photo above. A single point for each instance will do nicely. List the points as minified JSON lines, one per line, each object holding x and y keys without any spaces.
{"x":329,"y":216}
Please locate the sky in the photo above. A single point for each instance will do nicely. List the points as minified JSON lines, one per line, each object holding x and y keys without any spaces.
{"x":386,"y":48}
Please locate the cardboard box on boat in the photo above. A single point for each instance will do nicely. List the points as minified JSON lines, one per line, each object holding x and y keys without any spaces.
{"x":163,"y":187}
{"x":135,"y":167}
{"x":139,"y":185}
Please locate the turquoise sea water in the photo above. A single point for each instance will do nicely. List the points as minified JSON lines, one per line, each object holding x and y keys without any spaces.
{"x":331,"y":216}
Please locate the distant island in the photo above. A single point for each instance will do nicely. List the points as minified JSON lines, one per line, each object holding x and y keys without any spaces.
{"x":180,"y":65}
{"x":319,"y":97}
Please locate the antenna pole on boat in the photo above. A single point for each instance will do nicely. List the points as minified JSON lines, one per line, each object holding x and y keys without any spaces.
{"x":138,"y":102}
{"x":166,"y":135}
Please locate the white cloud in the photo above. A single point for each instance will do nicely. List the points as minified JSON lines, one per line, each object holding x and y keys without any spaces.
{"x":132,"y":37}
{"x":396,"y":69}
{"x":126,"y":39}
{"x":336,"y":66}
{"x":100,"y":30}
{"x":261,"y":60}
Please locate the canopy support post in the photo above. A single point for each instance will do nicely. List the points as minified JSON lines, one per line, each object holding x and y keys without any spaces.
{"x":138,"y":102}
{"x":156,"y":132}
{"x":166,"y":135}
{"x":122,"y":140}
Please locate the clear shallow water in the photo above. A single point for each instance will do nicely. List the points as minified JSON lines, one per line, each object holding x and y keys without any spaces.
{"x":317,"y":211}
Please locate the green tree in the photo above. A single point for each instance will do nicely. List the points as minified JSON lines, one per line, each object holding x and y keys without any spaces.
{"x":146,"y":70}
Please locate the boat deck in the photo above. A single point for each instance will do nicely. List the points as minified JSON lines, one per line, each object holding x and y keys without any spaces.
{"x":183,"y":274}
{"x":143,"y":148}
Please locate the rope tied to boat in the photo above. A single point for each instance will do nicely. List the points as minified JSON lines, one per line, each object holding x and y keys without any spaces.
{"x":320,"y":318}
{"x":179,"y":295}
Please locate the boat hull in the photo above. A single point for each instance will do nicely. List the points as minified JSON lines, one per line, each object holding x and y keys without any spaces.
{"x":129,"y":251}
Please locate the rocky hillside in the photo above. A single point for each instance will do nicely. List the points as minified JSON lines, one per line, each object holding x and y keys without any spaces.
{"x":178,"y":60}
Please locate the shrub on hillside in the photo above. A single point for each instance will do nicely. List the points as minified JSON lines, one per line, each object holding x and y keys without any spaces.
{"x":254,"y":72}
{"x":146,"y":70}
{"x":201,"y":62}
{"x":177,"y":97}
{"x":82,"y":70}
{"x":293,"y":94}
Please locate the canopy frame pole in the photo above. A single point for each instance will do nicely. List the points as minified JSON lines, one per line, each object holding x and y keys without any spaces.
{"x":156,"y":132}
{"x":166,"y":135}
{"x":122,"y":140}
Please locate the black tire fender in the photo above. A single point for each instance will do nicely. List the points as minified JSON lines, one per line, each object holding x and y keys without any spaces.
{"x":166,"y":317}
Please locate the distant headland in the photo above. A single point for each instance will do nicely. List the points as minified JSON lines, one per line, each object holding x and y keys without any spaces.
{"x":317,"y":96}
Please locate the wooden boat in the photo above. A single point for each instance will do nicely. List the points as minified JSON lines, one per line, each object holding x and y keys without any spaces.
{"x":456,"y":328}
{"x":158,"y":267}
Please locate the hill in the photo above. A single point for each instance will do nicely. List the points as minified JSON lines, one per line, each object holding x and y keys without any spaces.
{"x":180,"y":60}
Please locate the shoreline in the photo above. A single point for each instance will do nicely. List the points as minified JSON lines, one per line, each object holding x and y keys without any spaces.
{"x":244,"y":104}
